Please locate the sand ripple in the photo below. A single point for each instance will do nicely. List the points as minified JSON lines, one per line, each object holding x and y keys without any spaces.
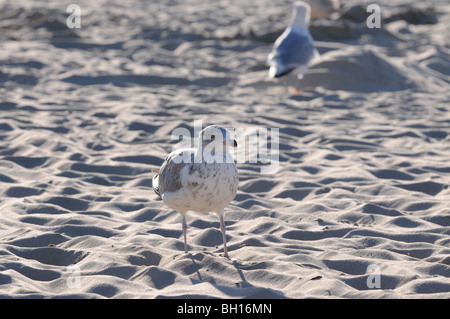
{"x":87,"y":113}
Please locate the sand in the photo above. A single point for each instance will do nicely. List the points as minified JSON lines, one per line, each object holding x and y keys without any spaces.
{"x":359,"y":206}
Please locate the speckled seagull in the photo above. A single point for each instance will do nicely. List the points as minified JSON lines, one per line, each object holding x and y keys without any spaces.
{"x":203,"y":179}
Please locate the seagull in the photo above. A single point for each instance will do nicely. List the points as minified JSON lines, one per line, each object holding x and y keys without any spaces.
{"x":202,"y":179}
{"x":294,"y":48}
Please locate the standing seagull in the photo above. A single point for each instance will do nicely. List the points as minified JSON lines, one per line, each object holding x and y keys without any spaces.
{"x":294,"y":48}
{"x":203,"y":179}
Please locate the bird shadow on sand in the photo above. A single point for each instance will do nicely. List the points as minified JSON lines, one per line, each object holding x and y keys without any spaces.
{"x":234,"y":282}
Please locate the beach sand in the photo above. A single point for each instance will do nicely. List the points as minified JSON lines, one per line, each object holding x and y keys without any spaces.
{"x":359,"y":206}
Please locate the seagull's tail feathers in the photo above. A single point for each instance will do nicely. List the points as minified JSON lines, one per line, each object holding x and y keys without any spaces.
{"x":315,"y":58}
{"x":272,"y":72}
{"x":276,"y":71}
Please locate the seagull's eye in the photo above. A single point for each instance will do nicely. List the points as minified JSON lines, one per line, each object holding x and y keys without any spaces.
{"x":213,"y":137}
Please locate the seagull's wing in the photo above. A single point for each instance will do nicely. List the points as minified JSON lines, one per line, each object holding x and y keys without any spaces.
{"x":291,"y":50}
{"x":168,"y":177}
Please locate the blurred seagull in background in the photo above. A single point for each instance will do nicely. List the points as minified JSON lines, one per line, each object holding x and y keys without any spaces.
{"x":294,"y":48}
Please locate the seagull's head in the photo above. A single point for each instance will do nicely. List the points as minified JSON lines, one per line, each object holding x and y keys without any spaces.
{"x":301,"y":13}
{"x":216,"y":136}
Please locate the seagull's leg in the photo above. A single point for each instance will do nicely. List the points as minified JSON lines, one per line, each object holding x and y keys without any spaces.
{"x":297,"y":85}
{"x":184,"y":226}
{"x":285,"y":84}
{"x":222,"y":228}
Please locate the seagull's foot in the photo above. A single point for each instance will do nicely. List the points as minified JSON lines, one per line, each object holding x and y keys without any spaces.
{"x":225,"y":255}
{"x":229,"y":258}
{"x":296,"y":92}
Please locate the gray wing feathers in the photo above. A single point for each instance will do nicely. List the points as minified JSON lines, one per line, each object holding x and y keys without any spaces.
{"x":295,"y":50}
{"x":168,"y":178}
